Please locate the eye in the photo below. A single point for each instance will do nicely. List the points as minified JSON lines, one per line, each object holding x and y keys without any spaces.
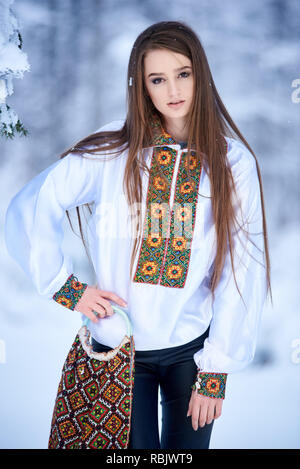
{"x":187,"y":74}
{"x":155,"y":81}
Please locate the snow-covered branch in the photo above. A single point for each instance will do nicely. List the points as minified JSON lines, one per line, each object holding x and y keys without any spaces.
{"x":13,"y":64}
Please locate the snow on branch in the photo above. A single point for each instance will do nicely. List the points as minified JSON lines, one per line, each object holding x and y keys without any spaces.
{"x":13,"y":64}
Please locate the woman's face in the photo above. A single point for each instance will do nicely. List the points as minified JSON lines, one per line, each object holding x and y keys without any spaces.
{"x":169,"y":80}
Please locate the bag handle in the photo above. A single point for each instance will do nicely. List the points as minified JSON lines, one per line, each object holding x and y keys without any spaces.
{"x":123,"y":314}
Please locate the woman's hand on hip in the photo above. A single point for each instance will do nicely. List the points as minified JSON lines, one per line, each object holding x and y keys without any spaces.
{"x":94,"y":301}
{"x":203,"y":409}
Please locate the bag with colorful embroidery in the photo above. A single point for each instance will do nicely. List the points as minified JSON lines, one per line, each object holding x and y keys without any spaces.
{"x":94,"y":399}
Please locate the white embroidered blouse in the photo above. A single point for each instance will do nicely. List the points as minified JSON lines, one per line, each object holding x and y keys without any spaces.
{"x":169,"y":302}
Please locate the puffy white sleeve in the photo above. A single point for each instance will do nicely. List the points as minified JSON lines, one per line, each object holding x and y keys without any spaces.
{"x":234,"y":326}
{"x":33,"y":222}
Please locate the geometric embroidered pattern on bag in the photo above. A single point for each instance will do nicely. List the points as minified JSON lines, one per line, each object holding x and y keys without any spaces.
{"x":94,"y":399}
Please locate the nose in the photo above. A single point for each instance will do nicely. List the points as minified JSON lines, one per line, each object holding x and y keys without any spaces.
{"x":173,"y":89}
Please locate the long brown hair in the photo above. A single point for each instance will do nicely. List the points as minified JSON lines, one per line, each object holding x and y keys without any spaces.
{"x":208,"y":123}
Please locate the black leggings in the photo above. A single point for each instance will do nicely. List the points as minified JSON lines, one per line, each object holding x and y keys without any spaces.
{"x":174,"y":370}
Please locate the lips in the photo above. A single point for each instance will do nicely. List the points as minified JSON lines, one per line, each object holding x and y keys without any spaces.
{"x":176,"y":102}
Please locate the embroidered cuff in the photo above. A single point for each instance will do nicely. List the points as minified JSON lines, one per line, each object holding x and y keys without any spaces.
{"x":210,"y":384}
{"x":70,"y":293}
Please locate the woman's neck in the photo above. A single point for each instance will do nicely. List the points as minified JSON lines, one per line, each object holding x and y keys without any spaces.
{"x":176,"y":128}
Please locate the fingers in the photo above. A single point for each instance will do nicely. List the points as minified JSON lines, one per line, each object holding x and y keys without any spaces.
{"x":203,"y":413}
{"x":210,"y":412}
{"x":203,"y":409}
{"x":195,"y":409}
{"x":218,"y":408}
{"x":189,"y":412}
{"x":112,"y":296}
{"x":91,"y":315}
{"x":94,"y":304}
{"x":103,"y":307}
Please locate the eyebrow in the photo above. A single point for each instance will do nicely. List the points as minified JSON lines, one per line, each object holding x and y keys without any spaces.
{"x":176,"y":70}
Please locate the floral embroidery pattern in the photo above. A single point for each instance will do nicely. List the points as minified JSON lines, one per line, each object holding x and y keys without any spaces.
{"x":210,"y":384}
{"x":160,"y":136}
{"x":157,"y":216}
{"x":168,"y":231}
{"x":167,"y":238}
{"x":178,"y":250}
{"x":70,"y":293}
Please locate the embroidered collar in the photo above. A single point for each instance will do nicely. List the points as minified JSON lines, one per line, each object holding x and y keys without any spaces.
{"x":159,"y":135}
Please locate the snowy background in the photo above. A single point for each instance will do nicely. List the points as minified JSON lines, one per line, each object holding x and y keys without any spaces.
{"x":78,"y":52}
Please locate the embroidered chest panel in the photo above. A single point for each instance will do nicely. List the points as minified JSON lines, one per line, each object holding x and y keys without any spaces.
{"x":170,"y":219}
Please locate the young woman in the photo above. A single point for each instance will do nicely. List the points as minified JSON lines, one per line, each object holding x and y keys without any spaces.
{"x":177,"y":231}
